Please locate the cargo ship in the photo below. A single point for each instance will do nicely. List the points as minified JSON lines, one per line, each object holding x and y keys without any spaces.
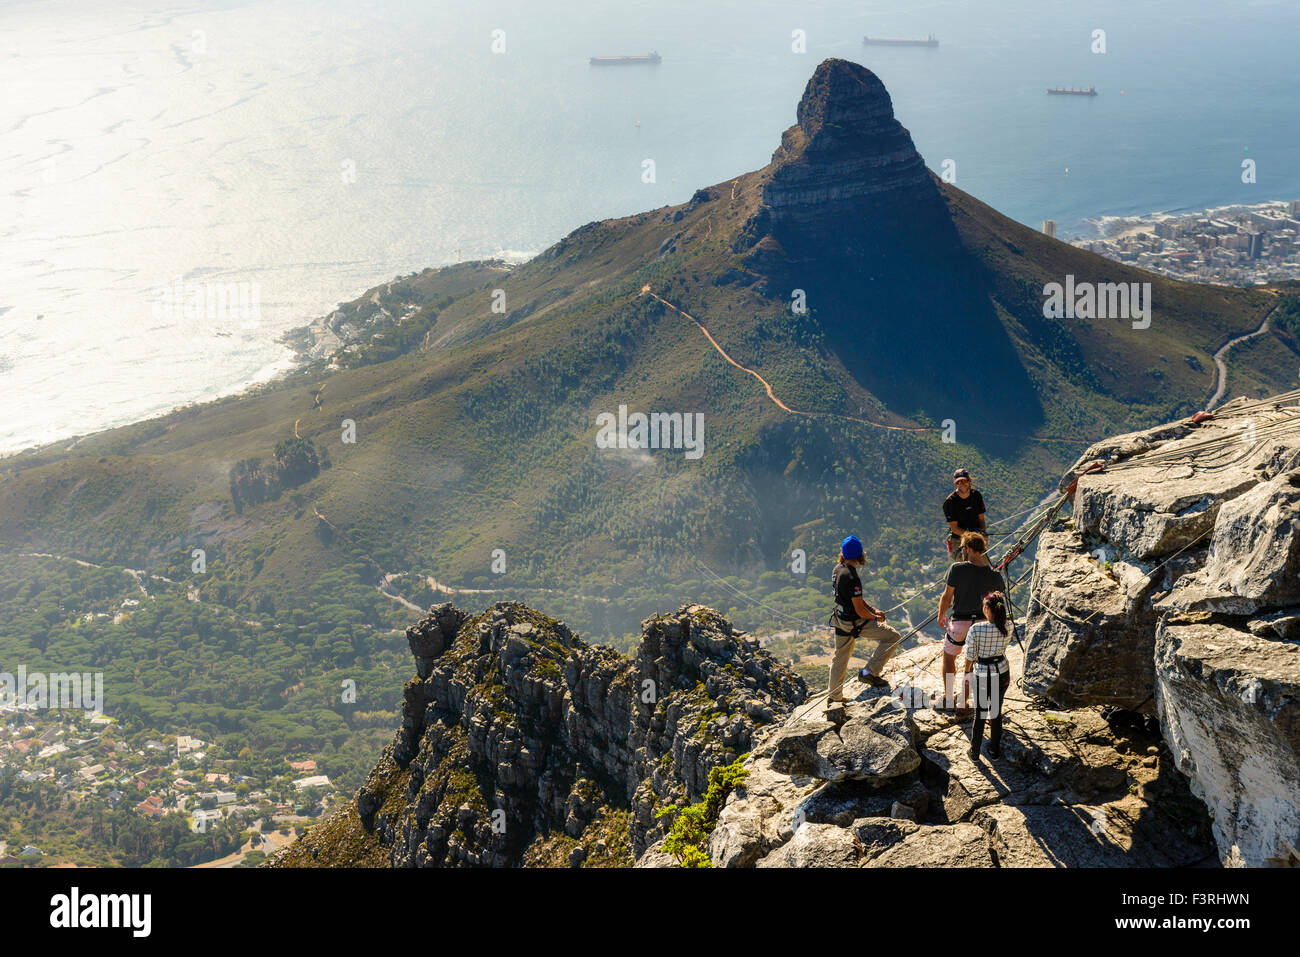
{"x":1062,"y":91}
{"x":930,"y":41}
{"x":651,"y":57}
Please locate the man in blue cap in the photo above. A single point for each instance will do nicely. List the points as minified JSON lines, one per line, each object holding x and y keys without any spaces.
{"x":854,"y":618}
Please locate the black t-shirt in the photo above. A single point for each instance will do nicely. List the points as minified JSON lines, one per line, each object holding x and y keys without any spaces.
{"x":970,"y":583}
{"x":847,"y":587}
{"x":966,"y":511}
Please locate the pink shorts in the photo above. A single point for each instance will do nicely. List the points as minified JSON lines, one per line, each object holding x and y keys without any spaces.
{"x":956,"y":629}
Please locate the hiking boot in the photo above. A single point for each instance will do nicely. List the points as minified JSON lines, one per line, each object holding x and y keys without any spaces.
{"x":874,"y":681}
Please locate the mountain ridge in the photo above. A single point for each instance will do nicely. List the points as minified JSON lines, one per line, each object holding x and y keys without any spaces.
{"x":432,"y":484}
{"x":520,"y":743}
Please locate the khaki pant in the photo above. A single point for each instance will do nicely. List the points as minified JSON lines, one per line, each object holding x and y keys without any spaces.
{"x":887,"y":640}
{"x":955,"y":548}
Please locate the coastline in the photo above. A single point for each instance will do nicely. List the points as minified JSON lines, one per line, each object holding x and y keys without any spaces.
{"x":273,"y":371}
{"x":317,"y":341}
{"x":303,"y":346}
{"x":1114,"y":226}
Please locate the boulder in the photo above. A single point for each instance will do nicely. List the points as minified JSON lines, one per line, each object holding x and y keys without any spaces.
{"x":816,"y":845}
{"x":1163,"y":487}
{"x":1090,"y":630}
{"x":901,"y":843}
{"x":844,"y":802}
{"x":759,"y":815}
{"x":867,"y":741}
{"x":654,"y":856}
{"x":1254,"y":554}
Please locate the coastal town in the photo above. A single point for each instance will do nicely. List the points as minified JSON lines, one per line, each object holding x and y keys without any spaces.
{"x":88,"y":765}
{"x":1233,"y":245}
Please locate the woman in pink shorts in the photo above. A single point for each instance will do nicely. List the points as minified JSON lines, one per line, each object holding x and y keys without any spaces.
{"x":968,"y":583}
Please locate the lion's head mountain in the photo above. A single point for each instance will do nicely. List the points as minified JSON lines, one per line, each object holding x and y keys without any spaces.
{"x":472,"y":393}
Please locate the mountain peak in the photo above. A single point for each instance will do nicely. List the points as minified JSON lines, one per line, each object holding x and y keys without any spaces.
{"x":848,"y":168}
{"x":845,"y":94}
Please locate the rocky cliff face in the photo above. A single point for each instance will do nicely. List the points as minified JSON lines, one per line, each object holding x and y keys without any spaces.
{"x":1175,"y":591}
{"x":846,"y":177}
{"x":522,"y":745}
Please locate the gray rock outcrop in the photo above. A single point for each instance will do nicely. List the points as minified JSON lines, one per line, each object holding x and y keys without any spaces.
{"x":1175,"y":591}
{"x":848,"y":152}
{"x":1069,"y":791}
{"x":520,"y":744}
{"x":1229,"y":703}
{"x":846,"y":181}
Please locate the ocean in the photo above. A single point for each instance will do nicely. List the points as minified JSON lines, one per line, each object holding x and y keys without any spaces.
{"x":296,"y":153}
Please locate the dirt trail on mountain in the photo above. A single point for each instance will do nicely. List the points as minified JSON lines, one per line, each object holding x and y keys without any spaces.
{"x":767,"y":385}
{"x":645,"y":290}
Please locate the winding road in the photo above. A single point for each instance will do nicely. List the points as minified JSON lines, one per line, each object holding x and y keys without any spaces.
{"x":1222,"y":367}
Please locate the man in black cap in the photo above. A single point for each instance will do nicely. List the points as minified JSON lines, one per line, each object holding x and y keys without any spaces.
{"x":964,"y":510}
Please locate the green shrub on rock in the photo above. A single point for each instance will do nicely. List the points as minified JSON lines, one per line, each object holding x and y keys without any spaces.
{"x":693,"y":824}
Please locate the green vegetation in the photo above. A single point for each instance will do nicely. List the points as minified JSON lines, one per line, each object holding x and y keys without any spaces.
{"x":604,"y":843}
{"x":260,"y":690}
{"x":338,"y":841}
{"x":475,"y":466}
{"x":296,"y":461}
{"x":91,"y":833}
{"x":689,"y":834}
{"x":1286,"y":317}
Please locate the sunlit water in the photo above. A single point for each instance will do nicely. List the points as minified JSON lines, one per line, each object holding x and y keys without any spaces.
{"x":306,"y":151}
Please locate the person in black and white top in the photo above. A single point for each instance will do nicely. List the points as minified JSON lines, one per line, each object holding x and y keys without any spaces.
{"x":986,"y":658}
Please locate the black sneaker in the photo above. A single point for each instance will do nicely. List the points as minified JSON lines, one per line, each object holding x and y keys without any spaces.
{"x":975,"y":752}
{"x":875,"y":681}
{"x":994,"y":750}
